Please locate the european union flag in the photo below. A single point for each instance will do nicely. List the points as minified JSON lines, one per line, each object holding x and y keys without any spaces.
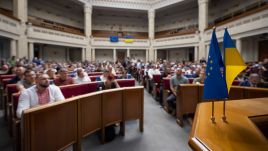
{"x":114,"y":39}
{"x":215,"y":85}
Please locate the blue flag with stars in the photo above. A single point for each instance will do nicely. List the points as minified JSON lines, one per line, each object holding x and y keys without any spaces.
{"x":215,"y":87}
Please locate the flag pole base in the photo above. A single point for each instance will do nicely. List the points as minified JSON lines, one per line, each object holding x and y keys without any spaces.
{"x":224,"y":118}
{"x":213,"y":119}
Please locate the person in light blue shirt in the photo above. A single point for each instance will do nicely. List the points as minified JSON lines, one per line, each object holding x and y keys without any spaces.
{"x":175,"y":81}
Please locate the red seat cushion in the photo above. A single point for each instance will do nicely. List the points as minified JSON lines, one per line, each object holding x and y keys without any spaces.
{"x":93,"y":78}
{"x":92,"y":87}
{"x":74,"y":90}
{"x":236,"y":82}
{"x":166,"y":84}
{"x":6,"y":76}
{"x":126,"y":82}
{"x":190,"y":80}
{"x":95,"y":73}
{"x":157,"y":78}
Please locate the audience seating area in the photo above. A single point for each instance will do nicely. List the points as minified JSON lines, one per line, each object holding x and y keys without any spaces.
{"x":11,"y":97}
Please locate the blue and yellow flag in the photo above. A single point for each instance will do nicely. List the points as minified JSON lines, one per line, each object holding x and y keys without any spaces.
{"x":234,"y":63}
{"x":129,"y":39}
{"x":215,"y":87}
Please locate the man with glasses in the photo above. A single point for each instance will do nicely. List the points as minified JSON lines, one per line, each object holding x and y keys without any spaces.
{"x":41,"y":93}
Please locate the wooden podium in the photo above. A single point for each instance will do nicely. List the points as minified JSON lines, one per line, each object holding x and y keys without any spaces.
{"x":245,"y":129}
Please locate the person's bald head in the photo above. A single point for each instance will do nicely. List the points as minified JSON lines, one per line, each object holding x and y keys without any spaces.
{"x":20,"y":71}
{"x":254,"y":78}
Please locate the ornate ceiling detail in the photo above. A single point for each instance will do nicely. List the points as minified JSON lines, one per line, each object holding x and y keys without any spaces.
{"x":131,"y":4}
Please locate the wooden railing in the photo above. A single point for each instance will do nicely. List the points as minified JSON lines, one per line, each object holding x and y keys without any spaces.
{"x":8,"y":13}
{"x":120,"y":34}
{"x":175,"y":32}
{"x":54,"y":25}
{"x":247,"y":11}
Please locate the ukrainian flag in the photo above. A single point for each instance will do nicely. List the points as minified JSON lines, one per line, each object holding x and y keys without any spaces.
{"x":215,"y":87}
{"x":129,"y":39}
{"x":234,"y":63}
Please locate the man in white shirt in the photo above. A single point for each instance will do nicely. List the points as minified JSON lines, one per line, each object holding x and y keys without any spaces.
{"x":41,"y":93}
{"x":153,"y":71}
{"x":82,"y":77}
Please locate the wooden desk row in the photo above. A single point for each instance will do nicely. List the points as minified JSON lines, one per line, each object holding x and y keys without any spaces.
{"x":58,"y":125}
{"x":189,"y":95}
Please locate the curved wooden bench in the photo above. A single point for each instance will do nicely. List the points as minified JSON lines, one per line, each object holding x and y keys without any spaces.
{"x":58,"y":125}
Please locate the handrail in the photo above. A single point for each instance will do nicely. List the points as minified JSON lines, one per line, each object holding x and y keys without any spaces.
{"x":239,"y":14}
{"x":173,"y":33}
{"x":54,"y":25}
{"x":8,"y":13}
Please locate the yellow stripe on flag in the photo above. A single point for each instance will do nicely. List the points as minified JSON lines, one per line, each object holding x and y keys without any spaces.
{"x":234,"y":64}
{"x":129,"y":40}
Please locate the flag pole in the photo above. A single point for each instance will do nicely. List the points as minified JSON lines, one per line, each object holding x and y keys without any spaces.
{"x":224,"y":118}
{"x":212,"y":113}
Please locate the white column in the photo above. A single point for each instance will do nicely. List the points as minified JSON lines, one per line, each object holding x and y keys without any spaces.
{"x":146,"y":55}
{"x":88,"y":53}
{"x":128,"y":52}
{"x":93,"y":54}
{"x":88,"y":19}
{"x":151,"y":24}
{"x":114,"y":54}
{"x":203,"y":14}
{"x":83,"y":54}
{"x":203,"y":24}
{"x":155,"y":55}
{"x":239,"y":45}
{"x":196,"y":53}
{"x":20,"y":10}
{"x":207,"y":51}
{"x":13,"y":47}
{"x":31,"y":51}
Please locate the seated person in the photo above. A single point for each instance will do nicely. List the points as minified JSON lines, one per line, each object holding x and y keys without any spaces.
{"x":110,"y":83}
{"x":124,"y":75}
{"x":201,"y":78}
{"x":28,"y":81}
{"x":52,"y":75}
{"x":81,"y":77}
{"x":63,"y":78}
{"x":175,"y":81}
{"x":153,"y":71}
{"x":19,"y":75}
{"x":41,"y":93}
{"x":254,"y":80}
{"x":104,"y":76}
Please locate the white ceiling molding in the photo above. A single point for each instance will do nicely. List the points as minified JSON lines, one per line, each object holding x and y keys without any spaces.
{"x":132,"y":4}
